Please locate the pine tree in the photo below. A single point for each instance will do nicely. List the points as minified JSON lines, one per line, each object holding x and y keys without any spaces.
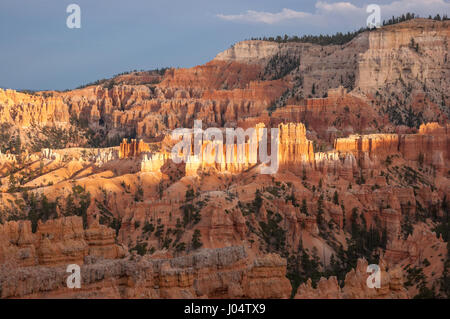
{"x":320,"y":219}
{"x":258,"y":201}
{"x":336,"y":198}
{"x":354,"y":223}
{"x":304,"y":207}
{"x":196,"y":240}
{"x":11,"y":183}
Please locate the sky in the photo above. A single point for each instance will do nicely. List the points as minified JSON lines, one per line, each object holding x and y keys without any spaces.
{"x":38,"y":51}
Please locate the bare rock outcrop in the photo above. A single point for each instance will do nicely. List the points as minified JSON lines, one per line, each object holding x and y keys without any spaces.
{"x":231,"y":272}
{"x":355,"y":285}
{"x":56,"y":242}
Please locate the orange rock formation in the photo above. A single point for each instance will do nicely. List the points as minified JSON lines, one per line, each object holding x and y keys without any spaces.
{"x":56,"y":242}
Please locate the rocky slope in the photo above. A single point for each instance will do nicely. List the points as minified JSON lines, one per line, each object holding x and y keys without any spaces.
{"x":212,"y":273}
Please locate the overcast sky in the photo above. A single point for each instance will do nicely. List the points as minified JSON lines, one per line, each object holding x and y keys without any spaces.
{"x":38,"y":51}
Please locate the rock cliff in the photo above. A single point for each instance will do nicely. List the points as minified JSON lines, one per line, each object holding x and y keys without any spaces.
{"x":56,"y":242}
{"x":355,"y":286}
{"x":221,"y":273}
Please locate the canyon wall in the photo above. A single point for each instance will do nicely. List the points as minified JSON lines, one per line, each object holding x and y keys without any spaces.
{"x":431,"y":143}
{"x":23,"y":110}
{"x":56,"y":242}
{"x":296,"y":152}
{"x":355,"y":286}
{"x":392,"y":54}
{"x":349,"y":142}
{"x":132,"y":149}
{"x":293,"y":149}
{"x":231,"y":272}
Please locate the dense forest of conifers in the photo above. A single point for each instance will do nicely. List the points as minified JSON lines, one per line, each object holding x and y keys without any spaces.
{"x":342,"y":38}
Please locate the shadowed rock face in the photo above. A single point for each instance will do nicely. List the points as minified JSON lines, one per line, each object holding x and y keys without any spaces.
{"x":212,"y":273}
{"x":363,"y":173}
